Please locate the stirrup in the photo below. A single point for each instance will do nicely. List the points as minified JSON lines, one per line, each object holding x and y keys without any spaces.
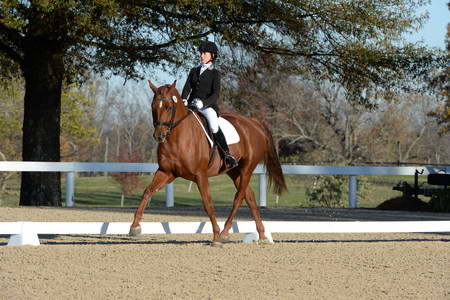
{"x":230,"y":161}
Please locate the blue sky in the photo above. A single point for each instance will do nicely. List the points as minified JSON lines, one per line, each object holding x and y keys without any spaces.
{"x":434,"y":31}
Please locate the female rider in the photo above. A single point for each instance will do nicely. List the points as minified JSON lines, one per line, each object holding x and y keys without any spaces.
{"x":203,"y":88}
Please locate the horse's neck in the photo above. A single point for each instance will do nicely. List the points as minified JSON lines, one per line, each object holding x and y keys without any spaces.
{"x":184,"y":126}
{"x":187,"y":130}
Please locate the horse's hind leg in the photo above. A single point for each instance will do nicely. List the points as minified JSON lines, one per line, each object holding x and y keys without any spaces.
{"x":254,"y":210}
{"x":244,"y":191}
{"x":225,"y":235}
{"x":203,"y":187}
{"x":159,"y":181}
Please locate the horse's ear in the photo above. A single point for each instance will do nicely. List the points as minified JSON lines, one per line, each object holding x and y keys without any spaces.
{"x":173,"y":85}
{"x":152,"y":86}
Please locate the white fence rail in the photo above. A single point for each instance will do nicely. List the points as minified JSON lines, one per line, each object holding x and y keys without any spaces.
{"x":70,"y":168}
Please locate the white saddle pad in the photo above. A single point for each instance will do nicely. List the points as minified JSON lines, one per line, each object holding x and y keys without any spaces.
{"x":231,"y":134}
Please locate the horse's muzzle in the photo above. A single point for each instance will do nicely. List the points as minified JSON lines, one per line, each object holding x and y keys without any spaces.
{"x":160,"y":136}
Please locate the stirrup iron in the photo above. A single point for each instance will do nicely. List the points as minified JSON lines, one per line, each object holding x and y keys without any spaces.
{"x":230,"y":161}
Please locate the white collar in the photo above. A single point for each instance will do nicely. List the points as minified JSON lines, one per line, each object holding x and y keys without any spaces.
{"x":208,"y":66}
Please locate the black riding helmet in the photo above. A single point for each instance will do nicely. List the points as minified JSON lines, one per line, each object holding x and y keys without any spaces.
{"x":207,"y":46}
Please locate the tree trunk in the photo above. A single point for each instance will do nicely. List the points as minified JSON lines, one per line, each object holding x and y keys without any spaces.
{"x":43,"y":70}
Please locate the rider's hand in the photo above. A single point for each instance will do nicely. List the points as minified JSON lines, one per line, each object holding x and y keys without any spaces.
{"x":198,"y":103}
{"x":185,"y":102}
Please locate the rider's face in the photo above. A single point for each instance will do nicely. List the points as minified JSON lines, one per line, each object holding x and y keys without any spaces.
{"x":205,"y":57}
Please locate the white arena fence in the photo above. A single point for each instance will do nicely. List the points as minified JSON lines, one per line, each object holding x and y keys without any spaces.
{"x":26,"y":233}
{"x":70,"y":168}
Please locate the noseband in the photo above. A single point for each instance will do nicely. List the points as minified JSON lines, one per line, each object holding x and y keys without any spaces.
{"x":171,"y":124}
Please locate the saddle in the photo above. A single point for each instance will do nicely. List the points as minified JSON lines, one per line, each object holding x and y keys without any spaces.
{"x":230,"y":133}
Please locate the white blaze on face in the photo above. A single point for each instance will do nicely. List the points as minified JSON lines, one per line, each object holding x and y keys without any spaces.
{"x":160,"y":104}
{"x":174,"y":98}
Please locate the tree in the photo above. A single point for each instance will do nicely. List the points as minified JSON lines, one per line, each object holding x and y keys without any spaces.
{"x":133,"y":123}
{"x":401,"y":127}
{"x":128,"y":181}
{"x":312,"y":120}
{"x":442,"y":83}
{"x":76,"y":127}
{"x":354,"y":42}
{"x":122,"y":116}
{"x":315,"y":121}
{"x":10,"y":115}
{"x":77,"y":115}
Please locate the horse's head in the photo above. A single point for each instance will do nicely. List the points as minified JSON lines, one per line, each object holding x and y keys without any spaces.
{"x":167,"y":109}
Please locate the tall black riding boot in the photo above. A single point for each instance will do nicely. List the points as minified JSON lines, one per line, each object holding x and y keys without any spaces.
{"x":230,"y":161}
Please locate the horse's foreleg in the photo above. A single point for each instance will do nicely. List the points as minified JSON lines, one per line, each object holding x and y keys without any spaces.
{"x":159,"y":181}
{"x":203,"y":187}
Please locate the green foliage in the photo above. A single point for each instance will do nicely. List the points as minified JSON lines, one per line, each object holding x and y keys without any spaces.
{"x":290,"y":159}
{"x":364,"y":189}
{"x":11,"y":115}
{"x":77,"y":114}
{"x":76,"y":118}
{"x":440,"y":201}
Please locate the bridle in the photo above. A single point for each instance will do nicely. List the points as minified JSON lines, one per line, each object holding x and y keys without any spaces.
{"x":171,"y":124}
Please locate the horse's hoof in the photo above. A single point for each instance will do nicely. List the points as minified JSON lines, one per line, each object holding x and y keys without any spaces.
{"x":225,"y":239}
{"x":217,"y":244}
{"x":135,"y":231}
{"x":265,"y":242}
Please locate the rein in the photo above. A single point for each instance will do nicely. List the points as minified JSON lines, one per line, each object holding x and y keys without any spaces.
{"x":171,"y":124}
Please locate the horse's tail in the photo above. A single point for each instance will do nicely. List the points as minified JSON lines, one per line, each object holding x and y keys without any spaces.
{"x":276,"y":177}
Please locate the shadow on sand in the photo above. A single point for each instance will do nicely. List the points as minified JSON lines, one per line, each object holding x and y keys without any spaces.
{"x":85,"y":240}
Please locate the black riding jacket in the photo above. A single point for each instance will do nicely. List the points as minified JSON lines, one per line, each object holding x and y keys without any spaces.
{"x":205,"y":86}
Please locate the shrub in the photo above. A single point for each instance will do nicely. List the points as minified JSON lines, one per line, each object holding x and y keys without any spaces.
{"x":332,"y":190}
{"x":128,"y":181}
{"x":440,"y":201}
{"x":327,"y":190}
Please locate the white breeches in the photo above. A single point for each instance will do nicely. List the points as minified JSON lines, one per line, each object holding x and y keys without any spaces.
{"x":213,"y":120}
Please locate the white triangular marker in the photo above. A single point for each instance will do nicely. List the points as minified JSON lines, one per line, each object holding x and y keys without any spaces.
{"x":251,"y":237}
{"x":27,"y":236}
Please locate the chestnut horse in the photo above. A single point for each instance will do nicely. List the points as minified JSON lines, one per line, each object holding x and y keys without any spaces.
{"x":184,"y":151}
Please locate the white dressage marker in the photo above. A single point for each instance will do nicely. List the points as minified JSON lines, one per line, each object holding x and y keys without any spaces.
{"x":26,"y":233}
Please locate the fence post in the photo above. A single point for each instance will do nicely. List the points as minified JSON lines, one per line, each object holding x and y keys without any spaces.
{"x":262,"y":190}
{"x":352,"y":191}
{"x":70,"y":179}
{"x":169,"y":195}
